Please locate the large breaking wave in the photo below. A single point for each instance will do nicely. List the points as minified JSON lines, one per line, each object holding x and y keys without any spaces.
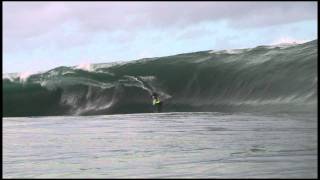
{"x":261,"y":79}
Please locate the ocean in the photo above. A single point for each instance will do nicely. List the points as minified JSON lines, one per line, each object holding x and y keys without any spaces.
{"x":244,"y":113}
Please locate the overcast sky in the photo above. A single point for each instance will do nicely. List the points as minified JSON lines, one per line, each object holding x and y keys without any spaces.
{"x":39,"y":36}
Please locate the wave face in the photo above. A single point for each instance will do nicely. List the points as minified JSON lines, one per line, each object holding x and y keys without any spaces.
{"x":261,"y":79}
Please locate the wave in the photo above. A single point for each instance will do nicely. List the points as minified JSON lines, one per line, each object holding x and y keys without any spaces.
{"x":264,"y":79}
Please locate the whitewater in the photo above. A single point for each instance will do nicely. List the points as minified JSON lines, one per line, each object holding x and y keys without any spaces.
{"x":245,"y":113}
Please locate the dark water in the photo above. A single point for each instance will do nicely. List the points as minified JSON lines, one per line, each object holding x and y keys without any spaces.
{"x":164,"y":145}
{"x":261,"y":79}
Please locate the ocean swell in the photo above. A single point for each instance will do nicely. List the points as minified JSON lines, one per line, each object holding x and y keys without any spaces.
{"x":259,"y":79}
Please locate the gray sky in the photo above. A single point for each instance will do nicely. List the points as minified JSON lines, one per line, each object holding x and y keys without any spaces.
{"x":43,"y":35}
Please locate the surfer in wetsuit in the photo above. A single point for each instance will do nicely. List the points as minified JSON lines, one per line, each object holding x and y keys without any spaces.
{"x":156,"y":102}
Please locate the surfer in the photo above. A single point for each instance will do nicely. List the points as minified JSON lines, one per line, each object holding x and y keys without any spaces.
{"x":156,"y":102}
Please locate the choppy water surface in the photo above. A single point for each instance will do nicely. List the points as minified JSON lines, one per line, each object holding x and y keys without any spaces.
{"x":161,"y":145}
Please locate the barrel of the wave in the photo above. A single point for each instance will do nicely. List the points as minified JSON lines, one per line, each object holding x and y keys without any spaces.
{"x":157,"y":104}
